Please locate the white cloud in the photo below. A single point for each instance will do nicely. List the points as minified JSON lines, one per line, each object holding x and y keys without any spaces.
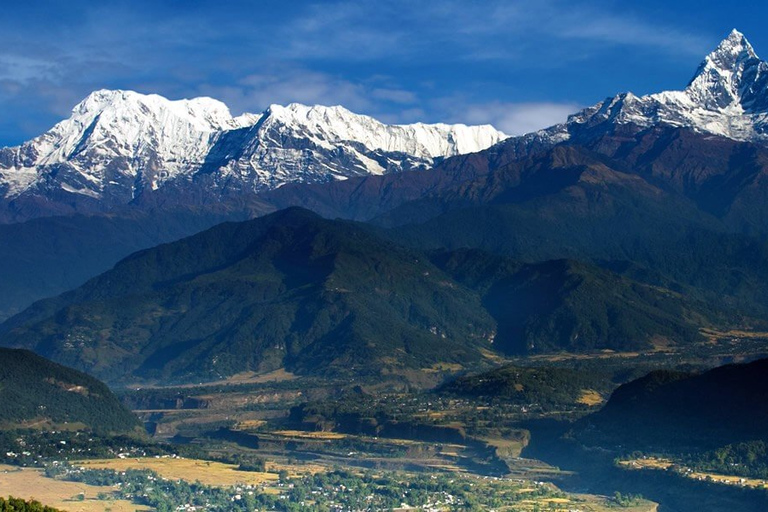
{"x":516,"y":118}
{"x":392,"y":105}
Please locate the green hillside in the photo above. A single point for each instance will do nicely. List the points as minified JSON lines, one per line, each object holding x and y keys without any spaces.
{"x":35,"y":391}
{"x":288,"y":290}
{"x":292,"y":290}
{"x":571,"y":203}
{"x":567,"y":305}
{"x":684,"y":411}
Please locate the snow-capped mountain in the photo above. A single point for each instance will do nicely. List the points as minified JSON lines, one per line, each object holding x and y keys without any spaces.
{"x":119,"y":144}
{"x":316,"y":144}
{"x":121,"y":147}
{"x":728,"y":96}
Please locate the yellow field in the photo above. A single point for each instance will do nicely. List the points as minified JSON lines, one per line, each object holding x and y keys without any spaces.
{"x":43,"y":424}
{"x":190,"y":470}
{"x":715,"y":334}
{"x":309,"y":435}
{"x":295,"y":470}
{"x":30,"y":483}
{"x":278,"y":375}
{"x":445,"y":367}
{"x":646,"y":463}
{"x":590,"y":398}
{"x":663,"y":464}
{"x":581,"y":502}
{"x":603,"y":354}
{"x":505,"y":447}
{"x":249,"y":424}
{"x":730,"y":480}
{"x":487,"y":354}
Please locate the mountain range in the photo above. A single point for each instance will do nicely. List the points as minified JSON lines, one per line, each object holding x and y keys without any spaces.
{"x":638,"y":219}
{"x":128,"y":171}
{"x":122,"y":147}
{"x":293,"y":290}
{"x":705,"y":143}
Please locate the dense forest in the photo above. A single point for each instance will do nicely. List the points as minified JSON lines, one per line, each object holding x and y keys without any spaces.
{"x":34,"y":390}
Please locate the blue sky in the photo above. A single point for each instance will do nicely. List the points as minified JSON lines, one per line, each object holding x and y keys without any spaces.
{"x":518,"y":64}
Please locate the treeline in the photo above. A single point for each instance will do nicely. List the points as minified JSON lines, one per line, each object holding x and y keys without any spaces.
{"x":748,"y":459}
{"x":18,"y":505}
{"x":34,"y":447}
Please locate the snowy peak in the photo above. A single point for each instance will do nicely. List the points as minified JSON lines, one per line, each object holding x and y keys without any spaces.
{"x":331,"y":125}
{"x":116,"y":143}
{"x":317,"y":144}
{"x":112,"y":124}
{"x":729,"y":57}
{"x":731,"y":75}
{"x":728,"y":96}
{"x":203,"y":113}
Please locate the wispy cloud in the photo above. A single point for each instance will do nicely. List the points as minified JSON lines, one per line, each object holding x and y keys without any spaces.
{"x":256,"y":92}
{"x":467,"y":30}
{"x":259,"y":90}
{"x":399,"y":60}
{"x":22,"y":69}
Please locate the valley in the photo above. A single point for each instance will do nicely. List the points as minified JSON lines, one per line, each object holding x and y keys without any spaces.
{"x":308,"y":309}
{"x":288,"y":438}
{"x":458,"y":429}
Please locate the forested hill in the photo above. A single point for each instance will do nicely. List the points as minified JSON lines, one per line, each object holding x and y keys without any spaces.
{"x":35,"y":391}
{"x":315,"y":296}
{"x":685,"y":411}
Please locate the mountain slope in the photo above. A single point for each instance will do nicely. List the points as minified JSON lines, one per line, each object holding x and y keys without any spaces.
{"x":705,"y":143}
{"x":35,"y":390}
{"x":704,"y":185}
{"x":290,"y":289}
{"x":47,"y":256}
{"x":564,"y":305}
{"x":680,"y":411}
{"x":316,"y":296}
{"x":726,"y":97}
{"x":573,"y":203}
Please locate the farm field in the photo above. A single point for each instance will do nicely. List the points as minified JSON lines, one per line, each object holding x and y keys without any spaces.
{"x":661,"y":464}
{"x":211,"y":473}
{"x":30,"y":483}
{"x":505,"y":493}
